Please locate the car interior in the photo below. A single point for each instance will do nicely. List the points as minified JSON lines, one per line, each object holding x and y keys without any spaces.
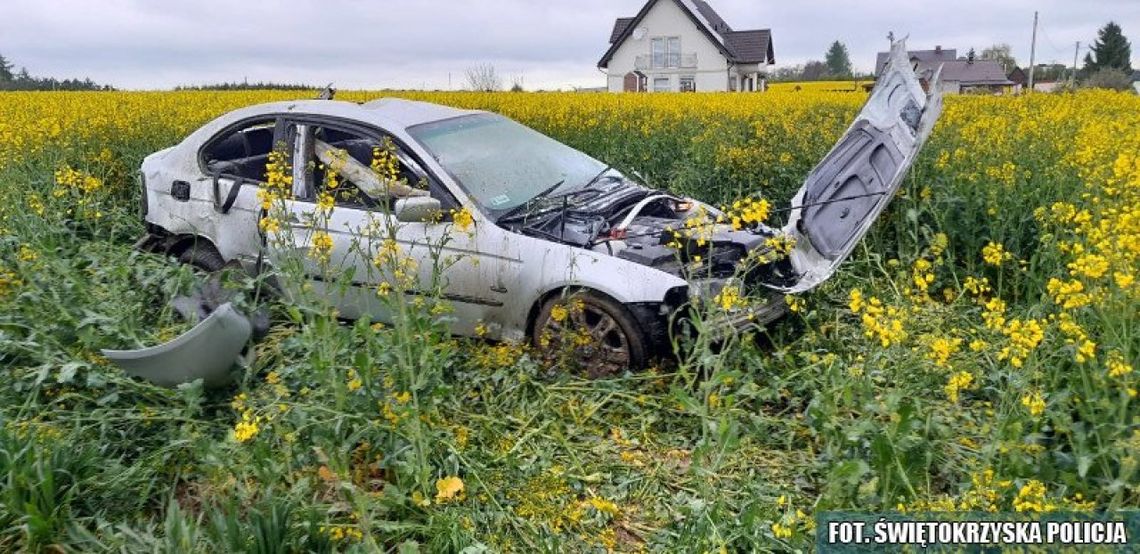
{"x":244,"y":153}
{"x":359,"y":149}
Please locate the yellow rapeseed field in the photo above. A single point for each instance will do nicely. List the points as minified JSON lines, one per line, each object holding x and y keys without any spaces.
{"x":977,"y":353}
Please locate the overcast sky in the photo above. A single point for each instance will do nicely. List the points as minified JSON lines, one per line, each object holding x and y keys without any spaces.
{"x":429,"y":43}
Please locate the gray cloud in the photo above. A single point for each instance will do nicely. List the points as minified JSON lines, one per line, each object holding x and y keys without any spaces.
{"x":414,"y":44}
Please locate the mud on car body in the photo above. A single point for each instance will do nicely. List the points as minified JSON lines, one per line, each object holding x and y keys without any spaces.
{"x":548,"y":220}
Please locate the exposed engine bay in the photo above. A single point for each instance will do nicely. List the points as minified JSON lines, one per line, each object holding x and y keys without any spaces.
{"x":630,"y":221}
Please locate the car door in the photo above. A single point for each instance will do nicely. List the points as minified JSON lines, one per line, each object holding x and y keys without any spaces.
{"x":845,"y":193}
{"x":222,"y":201}
{"x":442,"y":256}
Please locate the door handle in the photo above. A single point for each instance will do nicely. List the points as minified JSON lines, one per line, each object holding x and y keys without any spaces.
{"x":180,"y":190}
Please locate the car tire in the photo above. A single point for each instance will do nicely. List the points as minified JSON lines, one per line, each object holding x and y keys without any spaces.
{"x":202,"y":256}
{"x":616,"y":343}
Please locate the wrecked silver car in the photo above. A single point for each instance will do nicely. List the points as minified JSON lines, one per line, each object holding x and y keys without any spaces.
{"x":547,"y":218}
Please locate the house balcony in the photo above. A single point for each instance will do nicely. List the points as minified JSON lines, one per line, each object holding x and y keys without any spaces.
{"x":668,"y":61}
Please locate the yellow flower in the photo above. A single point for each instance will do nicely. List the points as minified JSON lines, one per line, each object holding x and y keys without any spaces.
{"x":559,"y":313}
{"x":994,"y":314}
{"x":269,"y":225}
{"x":1086,"y":351}
{"x":994,"y":254}
{"x":883,"y":323}
{"x":782,"y":531}
{"x":856,"y":304}
{"x":266,"y":198}
{"x":448,"y":488}
{"x":730,"y":298}
{"x":1117,"y":366}
{"x":1024,"y":336}
{"x":1031,"y":498}
{"x":462,"y":219}
{"x":322,"y":246}
{"x":1093,"y":266}
{"x":958,"y":382}
{"x":1069,"y":295}
{"x":941,"y":349}
{"x":26,"y":254}
{"x":246,"y":429}
{"x":939,"y":243}
{"x":1034,"y":402}
{"x":747,"y":213}
{"x":605,"y":506}
{"x":795,"y":303}
{"x":354,"y":383}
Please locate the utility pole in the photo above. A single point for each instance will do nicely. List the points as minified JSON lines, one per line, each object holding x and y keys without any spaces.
{"x":1073,"y":77}
{"x":1033,"y":52}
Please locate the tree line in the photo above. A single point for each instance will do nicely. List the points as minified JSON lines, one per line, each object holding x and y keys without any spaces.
{"x":22,"y":80}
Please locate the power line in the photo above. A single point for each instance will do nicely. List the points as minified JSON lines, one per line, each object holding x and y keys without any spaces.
{"x":1049,"y":40}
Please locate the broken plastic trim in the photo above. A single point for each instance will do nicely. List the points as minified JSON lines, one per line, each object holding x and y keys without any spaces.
{"x":208,"y":352}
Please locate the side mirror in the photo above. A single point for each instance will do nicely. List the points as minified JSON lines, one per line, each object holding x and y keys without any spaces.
{"x":417,"y":209}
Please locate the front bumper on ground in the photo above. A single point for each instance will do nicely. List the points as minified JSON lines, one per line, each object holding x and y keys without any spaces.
{"x":758,"y":314}
{"x":656,"y":319}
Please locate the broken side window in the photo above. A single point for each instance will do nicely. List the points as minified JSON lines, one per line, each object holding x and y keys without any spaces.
{"x":361,"y":171}
{"x":243,"y":152}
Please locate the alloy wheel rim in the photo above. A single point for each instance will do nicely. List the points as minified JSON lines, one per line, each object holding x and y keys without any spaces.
{"x":592,"y":337}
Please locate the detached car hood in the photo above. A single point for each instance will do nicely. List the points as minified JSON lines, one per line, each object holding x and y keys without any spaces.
{"x":845,"y":193}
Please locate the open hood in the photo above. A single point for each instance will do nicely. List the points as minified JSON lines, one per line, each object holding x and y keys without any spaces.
{"x":850,"y":187}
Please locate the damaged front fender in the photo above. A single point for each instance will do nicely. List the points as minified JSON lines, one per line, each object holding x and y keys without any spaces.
{"x":208,"y":352}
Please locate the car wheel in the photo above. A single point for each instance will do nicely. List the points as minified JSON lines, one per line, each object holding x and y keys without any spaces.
{"x":591,"y":333}
{"x":203,"y":257}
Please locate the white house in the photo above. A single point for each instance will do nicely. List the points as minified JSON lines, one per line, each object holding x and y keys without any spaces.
{"x":684,"y":45}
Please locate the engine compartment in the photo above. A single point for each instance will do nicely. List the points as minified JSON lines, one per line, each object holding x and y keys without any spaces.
{"x":648,"y":227}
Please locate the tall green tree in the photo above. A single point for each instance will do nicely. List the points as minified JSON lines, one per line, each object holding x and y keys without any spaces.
{"x":1001,"y":53}
{"x":838,"y":60}
{"x":1110,"y":51}
{"x":5,"y":69}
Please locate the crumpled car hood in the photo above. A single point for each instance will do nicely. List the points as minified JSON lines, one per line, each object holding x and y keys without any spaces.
{"x":848,"y":190}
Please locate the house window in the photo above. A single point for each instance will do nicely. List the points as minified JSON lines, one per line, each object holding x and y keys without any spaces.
{"x":666,"y":52}
{"x":688,"y":84}
{"x":661,"y":84}
{"x":673,"y":56}
{"x":658,"y":49}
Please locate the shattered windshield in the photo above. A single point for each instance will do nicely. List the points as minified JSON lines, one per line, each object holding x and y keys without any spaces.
{"x":503,"y":164}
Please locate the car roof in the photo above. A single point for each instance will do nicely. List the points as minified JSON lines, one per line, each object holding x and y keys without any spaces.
{"x":388,"y":113}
